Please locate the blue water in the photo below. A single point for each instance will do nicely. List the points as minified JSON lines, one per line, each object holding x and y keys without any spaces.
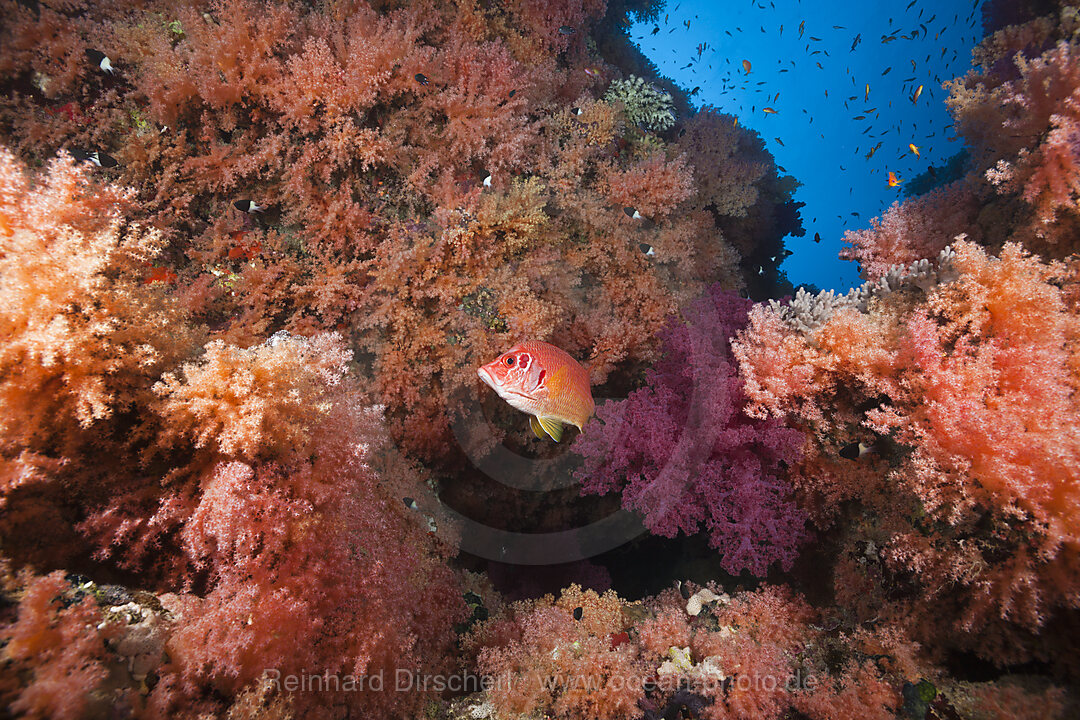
{"x":815,"y":137}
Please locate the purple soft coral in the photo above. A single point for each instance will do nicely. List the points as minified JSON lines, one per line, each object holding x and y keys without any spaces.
{"x":683,"y":453}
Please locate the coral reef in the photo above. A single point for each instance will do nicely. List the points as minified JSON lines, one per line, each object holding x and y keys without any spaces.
{"x":251,"y":487}
{"x":642,"y":103}
{"x":684,"y":455}
{"x":250,"y":265}
{"x":964,"y":393}
{"x":368,"y":136}
{"x":760,"y":655}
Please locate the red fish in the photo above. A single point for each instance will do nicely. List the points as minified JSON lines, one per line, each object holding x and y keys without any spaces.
{"x":540,"y":379}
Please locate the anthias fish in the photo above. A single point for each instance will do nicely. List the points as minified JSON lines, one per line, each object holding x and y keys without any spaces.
{"x":544,"y":381}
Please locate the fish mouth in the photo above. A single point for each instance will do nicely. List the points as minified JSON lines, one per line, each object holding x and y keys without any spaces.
{"x":486,"y":377}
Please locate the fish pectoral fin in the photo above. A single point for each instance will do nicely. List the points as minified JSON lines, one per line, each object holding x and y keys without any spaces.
{"x":552,"y":427}
{"x":535,"y":425}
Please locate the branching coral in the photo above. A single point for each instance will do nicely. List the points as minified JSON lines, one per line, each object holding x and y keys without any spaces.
{"x":642,"y":102}
{"x":368,"y":135}
{"x":684,"y":455}
{"x":1019,"y":110}
{"x":969,"y":388}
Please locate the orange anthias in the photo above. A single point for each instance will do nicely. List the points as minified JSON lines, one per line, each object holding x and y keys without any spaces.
{"x":540,"y":379}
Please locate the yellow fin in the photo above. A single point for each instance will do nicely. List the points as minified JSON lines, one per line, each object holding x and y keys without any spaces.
{"x":535,"y":425}
{"x":552,"y":427}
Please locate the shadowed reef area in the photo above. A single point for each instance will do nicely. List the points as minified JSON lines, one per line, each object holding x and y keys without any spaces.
{"x":252,"y":254}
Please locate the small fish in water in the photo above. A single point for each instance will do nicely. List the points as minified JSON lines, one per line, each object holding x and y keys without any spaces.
{"x":487,"y":178}
{"x":914,"y":148}
{"x":746,"y":66}
{"x":770,"y":111}
{"x":915,"y":96}
{"x":93,"y":156}
{"x":578,"y":612}
{"x":576,"y":111}
{"x":893,"y":180}
{"x":421,"y":78}
{"x":854,"y":451}
{"x":684,"y":590}
{"x":817,"y":237}
{"x":432,"y":526}
{"x":512,"y":93}
{"x":101,"y":60}
{"x":647,"y":249}
{"x":544,"y":381}
{"x":248,"y":206}
{"x":566,"y":30}
{"x":632,"y":213}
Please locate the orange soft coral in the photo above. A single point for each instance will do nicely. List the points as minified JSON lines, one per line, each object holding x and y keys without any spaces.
{"x":967,"y":391}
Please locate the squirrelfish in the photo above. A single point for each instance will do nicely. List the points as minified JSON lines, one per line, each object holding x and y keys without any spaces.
{"x":544,"y":381}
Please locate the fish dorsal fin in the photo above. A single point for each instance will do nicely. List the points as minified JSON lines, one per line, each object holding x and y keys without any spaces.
{"x":552,"y":427}
{"x":535,"y":425}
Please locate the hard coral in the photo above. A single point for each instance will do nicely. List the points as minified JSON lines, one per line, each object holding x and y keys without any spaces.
{"x":642,"y":103}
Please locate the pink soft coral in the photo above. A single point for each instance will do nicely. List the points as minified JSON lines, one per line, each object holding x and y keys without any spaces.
{"x":684,"y":455}
{"x":315,"y":567}
{"x":916,"y":229}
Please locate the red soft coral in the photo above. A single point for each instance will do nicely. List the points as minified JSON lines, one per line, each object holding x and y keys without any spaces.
{"x":60,"y":643}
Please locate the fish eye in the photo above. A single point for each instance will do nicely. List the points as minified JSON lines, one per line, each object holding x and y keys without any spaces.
{"x":509,"y":359}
